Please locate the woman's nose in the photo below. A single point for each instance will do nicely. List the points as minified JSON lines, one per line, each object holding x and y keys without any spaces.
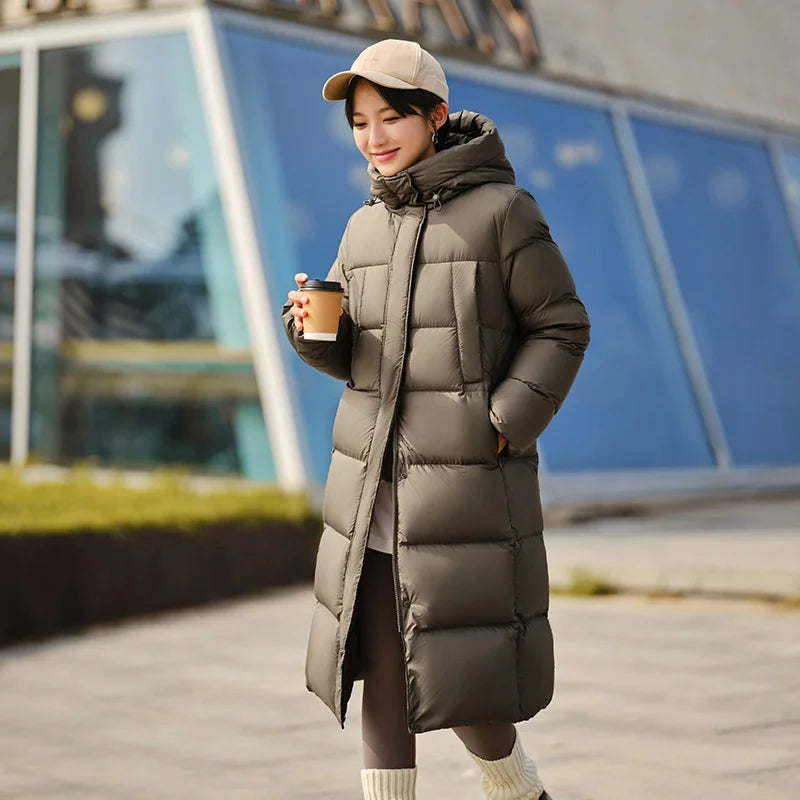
{"x":376,"y":136}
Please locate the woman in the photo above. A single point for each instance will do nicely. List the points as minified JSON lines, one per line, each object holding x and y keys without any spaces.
{"x":460,"y":336}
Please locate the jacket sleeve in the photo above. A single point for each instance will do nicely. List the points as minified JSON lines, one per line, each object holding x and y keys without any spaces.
{"x":332,"y":358}
{"x":552,"y":323}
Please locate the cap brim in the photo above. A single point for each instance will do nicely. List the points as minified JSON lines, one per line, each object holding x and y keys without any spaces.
{"x":335,"y":87}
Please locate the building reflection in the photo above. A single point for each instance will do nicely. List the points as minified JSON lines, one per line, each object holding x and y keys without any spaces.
{"x":140,"y":353}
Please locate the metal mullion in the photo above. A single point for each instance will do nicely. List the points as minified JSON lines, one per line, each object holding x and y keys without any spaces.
{"x":779,"y":167}
{"x":665,"y":271}
{"x":711,"y":121}
{"x":23,"y":273}
{"x":296,"y":32}
{"x":349,"y":43}
{"x":87,"y":30}
{"x":534,"y":84}
{"x":70,"y":32}
{"x":611,"y":486}
{"x":259,"y":309}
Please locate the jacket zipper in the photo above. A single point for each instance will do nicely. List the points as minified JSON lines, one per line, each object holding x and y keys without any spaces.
{"x":396,"y":463}
{"x":395,"y":567}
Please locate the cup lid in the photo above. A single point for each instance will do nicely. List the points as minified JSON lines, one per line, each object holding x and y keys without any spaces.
{"x":329,"y":286}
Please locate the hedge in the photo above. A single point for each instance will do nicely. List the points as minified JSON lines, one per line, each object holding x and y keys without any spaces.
{"x":79,"y":503}
{"x":74,"y":554}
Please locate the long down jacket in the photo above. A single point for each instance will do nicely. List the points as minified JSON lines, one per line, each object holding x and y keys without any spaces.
{"x":461,"y":321}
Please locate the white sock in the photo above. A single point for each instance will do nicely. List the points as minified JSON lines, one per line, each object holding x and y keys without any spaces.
{"x":511,"y":778}
{"x":389,"y":784}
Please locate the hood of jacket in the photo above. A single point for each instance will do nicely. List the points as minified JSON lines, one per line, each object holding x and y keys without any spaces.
{"x":473,"y":154}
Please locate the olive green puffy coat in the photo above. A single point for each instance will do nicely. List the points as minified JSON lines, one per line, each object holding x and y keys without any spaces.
{"x":461,"y":321}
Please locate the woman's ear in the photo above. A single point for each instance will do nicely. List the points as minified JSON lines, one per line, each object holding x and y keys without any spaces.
{"x":440,"y":115}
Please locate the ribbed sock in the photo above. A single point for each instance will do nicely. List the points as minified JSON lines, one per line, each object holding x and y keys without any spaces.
{"x":511,"y":778}
{"x":389,"y":784}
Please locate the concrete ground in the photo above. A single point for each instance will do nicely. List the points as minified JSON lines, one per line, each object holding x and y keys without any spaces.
{"x":656,"y":699}
{"x":733,"y":549}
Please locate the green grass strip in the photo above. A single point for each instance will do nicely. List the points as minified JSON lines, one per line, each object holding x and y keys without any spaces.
{"x":79,"y":503}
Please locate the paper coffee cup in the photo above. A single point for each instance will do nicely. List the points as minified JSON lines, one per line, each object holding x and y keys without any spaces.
{"x":321,"y":322}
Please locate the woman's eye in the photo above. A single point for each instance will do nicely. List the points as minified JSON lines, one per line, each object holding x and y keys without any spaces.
{"x":391,"y":119}
{"x":359,"y":125}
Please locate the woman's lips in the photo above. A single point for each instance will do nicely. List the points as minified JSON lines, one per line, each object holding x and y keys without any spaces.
{"x":384,"y":157}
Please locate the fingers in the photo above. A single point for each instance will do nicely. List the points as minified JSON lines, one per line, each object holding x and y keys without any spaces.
{"x":298,"y":299}
{"x":298,"y":312}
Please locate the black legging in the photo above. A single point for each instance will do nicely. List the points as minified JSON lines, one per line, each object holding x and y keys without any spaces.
{"x":387,"y":741}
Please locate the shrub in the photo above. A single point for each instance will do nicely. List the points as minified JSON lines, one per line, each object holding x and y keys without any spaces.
{"x":79,"y":503}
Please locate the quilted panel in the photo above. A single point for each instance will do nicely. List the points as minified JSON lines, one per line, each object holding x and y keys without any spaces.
{"x":462,"y":676}
{"x":452,"y":503}
{"x":430,"y":296}
{"x":355,"y":422}
{"x":446,"y":427}
{"x":440,"y":584}
{"x":329,"y":570}
{"x":530,"y":577}
{"x":366,"y":367}
{"x":522,"y":486}
{"x":322,"y":655}
{"x":536,"y":666}
{"x":433,"y":360}
{"x":370,"y":291}
{"x":342,"y":492}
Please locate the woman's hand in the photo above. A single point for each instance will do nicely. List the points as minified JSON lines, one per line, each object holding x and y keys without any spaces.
{"x":501,"y":443}
{"x":299,"y":300}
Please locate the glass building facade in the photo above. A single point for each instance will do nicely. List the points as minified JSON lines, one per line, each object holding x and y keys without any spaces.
{"x":140,"y":351}
{"x":9,"y":127}
{"x":184,"y":174}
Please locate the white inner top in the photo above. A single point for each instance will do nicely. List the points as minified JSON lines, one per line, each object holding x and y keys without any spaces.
{"x":381,"y":528}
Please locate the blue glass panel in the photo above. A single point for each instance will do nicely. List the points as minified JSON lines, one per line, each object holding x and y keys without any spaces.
{"x":9,"y":127}
{"x":141,"y":353}
{"x":737,"y":264}
{"x":631,"y":406}
{"x":791,"y":161}
{"x":306,"y":178}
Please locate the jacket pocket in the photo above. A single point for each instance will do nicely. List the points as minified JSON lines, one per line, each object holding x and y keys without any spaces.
{"x":464,"y":290}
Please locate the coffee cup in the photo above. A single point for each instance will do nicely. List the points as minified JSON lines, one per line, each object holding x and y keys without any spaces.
{"x":321,"y":320}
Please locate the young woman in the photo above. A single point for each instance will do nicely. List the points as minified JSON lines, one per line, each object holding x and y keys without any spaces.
{"x":460,"y":336}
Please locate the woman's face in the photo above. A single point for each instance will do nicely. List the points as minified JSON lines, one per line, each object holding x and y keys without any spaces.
{"x":389,"y":142}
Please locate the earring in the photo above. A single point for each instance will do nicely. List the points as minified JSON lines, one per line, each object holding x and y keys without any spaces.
{"x":435,"y":137}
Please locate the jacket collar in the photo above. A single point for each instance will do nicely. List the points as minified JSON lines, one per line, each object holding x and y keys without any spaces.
{"x":473,"y":154}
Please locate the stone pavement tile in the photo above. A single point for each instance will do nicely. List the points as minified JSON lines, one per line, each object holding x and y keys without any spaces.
{"x":617,"y":779}
{"x":221,"y":709}
{"x":697,"y":754}
{"x":30,"y":743}
{"x":664,"y":716}
{"x":769,"y":733}
{"x":314,"y":778}
{"x":737,"y":548}
{"x":777,"y":780}
{"x":136,"y":774}
{"x":71,"y":793}
{"x":15,"y":782}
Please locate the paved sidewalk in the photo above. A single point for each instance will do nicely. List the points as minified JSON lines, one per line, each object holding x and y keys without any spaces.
{"x":656,"y":699}
{"x":744,"y":549}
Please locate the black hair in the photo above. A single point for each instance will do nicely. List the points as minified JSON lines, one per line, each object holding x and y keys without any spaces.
{"x":406,"y":102}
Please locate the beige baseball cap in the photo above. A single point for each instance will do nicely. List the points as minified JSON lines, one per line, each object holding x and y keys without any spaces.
{"x":396,"y":63}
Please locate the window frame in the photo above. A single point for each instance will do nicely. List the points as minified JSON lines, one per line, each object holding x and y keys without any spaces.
{"x":199,"y":24}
